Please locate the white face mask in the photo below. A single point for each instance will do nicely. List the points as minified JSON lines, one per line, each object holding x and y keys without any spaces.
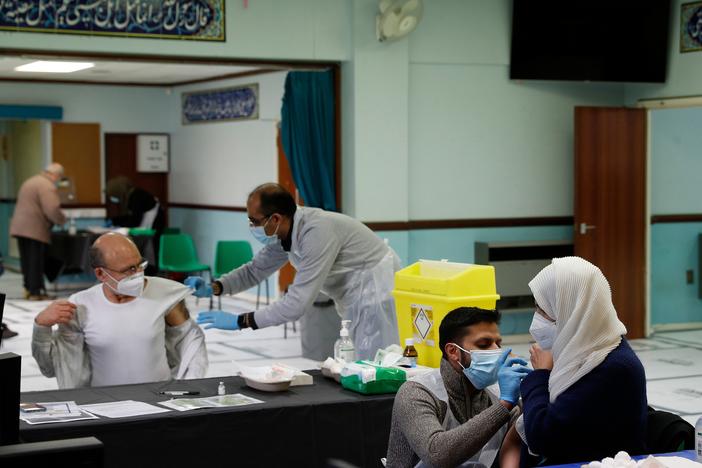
{"x":129,"y":286}
{"x":543,"y":331}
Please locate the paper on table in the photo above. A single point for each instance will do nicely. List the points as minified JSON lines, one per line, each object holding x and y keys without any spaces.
{"x":123,"y":409}
{"x":185,"y":404}
{"x":678,"y":462}
{"x":57,"y":412}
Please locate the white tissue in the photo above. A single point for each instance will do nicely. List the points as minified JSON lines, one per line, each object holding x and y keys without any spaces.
{"x":268,"y":374}
{"x":623,"y":460}
{"x":389,"y":356}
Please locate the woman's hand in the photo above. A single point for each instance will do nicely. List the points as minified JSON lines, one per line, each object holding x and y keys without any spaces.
{"x":540,"y":358}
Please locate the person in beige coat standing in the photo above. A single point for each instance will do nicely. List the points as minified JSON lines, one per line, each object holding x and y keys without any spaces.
{"x":38,"y":209}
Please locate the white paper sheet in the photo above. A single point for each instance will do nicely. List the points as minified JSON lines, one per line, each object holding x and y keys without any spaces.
{"x":57,"y":412}
{"x":123,"y":409}
{"x":678,"y":462}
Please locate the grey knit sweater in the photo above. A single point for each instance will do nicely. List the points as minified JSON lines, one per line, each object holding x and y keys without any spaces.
{"x":417,"y":415}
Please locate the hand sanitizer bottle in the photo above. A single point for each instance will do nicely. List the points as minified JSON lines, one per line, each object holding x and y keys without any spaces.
{"x":221,"y":390}
{"x":343,"y":348}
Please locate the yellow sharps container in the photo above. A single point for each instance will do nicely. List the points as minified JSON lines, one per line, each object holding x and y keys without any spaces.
{"x":426,"y":291}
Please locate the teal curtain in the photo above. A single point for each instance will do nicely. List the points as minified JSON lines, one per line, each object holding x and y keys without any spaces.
{"x":308,"y":136}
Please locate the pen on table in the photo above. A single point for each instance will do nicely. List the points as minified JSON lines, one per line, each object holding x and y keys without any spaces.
{"x":179,"y":392}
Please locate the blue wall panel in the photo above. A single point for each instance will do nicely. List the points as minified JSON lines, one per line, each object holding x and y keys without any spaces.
{"x":674,"y":250}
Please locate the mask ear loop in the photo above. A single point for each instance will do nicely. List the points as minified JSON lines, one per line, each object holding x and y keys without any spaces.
{"x":275,"y":233}
{"x":462,"y":350}
{"x":113,"y":288}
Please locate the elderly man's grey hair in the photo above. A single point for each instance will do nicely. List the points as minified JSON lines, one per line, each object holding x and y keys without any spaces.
{"x":55,"y":168}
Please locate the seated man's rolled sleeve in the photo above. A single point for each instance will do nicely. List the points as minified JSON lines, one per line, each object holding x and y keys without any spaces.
{"x":41,"y":349}
{"x":186,"y":350}
{"x":62,"y":354}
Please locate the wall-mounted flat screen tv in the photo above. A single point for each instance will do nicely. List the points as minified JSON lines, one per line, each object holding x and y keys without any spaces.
{"x":590,"y":40}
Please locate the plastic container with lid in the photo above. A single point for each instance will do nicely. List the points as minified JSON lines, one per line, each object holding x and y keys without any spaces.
{"x":426,"y":291}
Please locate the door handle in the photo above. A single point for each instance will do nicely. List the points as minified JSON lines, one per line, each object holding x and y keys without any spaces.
{"x":584,"y":227}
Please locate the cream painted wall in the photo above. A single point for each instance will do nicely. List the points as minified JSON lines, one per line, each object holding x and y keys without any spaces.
{"x":481,"y":145}
{"x":219,"y":163}
{"x":375,"y":109}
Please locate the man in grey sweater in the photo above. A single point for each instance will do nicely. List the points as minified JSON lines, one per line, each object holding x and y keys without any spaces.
{"x":456,"y":415}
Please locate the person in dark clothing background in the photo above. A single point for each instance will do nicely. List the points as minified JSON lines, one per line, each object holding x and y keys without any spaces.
{"x":131,"y":206}
{"x":586,"y":398}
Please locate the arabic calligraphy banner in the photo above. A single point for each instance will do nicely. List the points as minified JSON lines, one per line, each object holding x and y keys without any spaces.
{"x":691,"y":27}
{"x":199,"y":20}
{"x":216,"y":105}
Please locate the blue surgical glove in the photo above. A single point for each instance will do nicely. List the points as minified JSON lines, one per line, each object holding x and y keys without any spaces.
{"x":512,"y":372}
{"x":198,"y":284}
{"x":218,"y":319}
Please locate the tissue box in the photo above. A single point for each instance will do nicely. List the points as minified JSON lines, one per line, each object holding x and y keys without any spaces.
{"x":369,"y":379}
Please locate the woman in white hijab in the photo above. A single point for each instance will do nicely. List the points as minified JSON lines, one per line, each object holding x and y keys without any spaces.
{"x":586,"y":399}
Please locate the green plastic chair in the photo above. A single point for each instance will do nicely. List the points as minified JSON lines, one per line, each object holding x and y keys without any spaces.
{"x":230,"y":255}
{"x":177,"y":254}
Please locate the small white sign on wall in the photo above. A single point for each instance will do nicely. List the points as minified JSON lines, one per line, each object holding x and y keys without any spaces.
{"x":152,"y":153}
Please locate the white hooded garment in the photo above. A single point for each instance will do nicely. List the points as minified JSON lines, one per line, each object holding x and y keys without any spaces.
{"x":575,"y":293}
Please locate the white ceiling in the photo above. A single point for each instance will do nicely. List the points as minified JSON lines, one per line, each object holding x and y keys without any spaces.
{"x":125,"y":71}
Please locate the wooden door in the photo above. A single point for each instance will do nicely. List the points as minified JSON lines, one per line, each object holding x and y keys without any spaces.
{"x":121,"y":160}
{"x":610,"y":204}
{"x":287,"y":274}
{"x":77,"y":147}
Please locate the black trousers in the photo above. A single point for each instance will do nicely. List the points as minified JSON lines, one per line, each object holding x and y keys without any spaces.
{"x":32,"y":257}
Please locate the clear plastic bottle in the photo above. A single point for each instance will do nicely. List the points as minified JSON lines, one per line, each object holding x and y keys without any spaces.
{"x":698,"y":439}
{"x":410,"y":352}
{"x":343,"y":348}
{"x":221,"y":390}
{"x":72,"y":230}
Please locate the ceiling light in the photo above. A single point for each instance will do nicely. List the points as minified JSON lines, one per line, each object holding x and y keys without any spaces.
{"x":43,"y":66}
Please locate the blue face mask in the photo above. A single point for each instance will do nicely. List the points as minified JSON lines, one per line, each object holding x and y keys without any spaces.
{"x":483,"y":368}
{"x":259,"y":233}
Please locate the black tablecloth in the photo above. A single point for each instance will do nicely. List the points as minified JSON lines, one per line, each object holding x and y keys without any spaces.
{"x":70,"y":252}
{"x":305,"y":426}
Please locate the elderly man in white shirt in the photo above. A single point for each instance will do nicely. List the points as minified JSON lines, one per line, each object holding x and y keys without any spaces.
{"x":127,"y":329}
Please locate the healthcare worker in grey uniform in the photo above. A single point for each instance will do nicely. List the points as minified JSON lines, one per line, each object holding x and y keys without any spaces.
{"x":332,"y":253}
